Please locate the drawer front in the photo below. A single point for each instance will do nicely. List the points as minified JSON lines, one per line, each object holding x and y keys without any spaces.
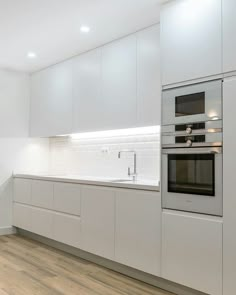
{"x":22,"y":191}
{"x":66,"y":229}
{"x":42,"y":222}
{"x":22,"y":216}
{"x":42,"y":194}
{"x":67,"y":198}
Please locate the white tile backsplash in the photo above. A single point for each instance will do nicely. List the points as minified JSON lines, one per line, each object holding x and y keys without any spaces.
{"x":99,"y":156}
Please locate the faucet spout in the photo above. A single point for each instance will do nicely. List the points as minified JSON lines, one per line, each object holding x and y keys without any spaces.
{"x":134,"y":174}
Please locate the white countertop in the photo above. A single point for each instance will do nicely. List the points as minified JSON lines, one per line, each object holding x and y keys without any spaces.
{"x":141,"y":184}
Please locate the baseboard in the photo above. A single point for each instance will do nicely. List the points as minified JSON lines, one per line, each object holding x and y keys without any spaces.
{"x":8,"y":230}
{"x":128,"y":271}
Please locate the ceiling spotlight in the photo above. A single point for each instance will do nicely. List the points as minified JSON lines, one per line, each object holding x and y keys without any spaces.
{"x":31,"y":55}
{"x":84,"y":29}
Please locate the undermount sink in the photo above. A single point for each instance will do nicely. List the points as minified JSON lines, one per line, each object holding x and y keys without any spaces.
{"x":122,"y":180}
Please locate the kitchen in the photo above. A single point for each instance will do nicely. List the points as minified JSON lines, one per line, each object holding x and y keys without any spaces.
{"x":117,"y":153}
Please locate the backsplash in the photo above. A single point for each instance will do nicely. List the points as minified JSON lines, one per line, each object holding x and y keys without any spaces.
{"x":99,"y":156}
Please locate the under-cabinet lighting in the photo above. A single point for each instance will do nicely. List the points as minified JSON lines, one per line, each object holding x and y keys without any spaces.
{"x":117,"y":132}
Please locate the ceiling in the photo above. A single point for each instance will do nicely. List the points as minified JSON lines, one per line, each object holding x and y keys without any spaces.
{"x":51,"y":28}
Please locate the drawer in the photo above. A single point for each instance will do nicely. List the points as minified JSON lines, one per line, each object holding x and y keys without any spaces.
{"x":42,"y":222}
{"x":22,"y":190}
{"x":67,"y":198}
{"x":22,"y":216}
{"x":42,"y":194}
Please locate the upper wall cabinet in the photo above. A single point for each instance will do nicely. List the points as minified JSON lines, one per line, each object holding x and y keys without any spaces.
{"x":148,"y":77}
{"x":191,"y":40}
{"x":87,"y":91}
{"x":119,"y":84}
{"x":229,"y":35}
{"x":51,"y":101}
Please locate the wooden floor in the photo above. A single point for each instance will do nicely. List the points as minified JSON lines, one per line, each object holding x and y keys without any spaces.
{"x":30,"y":268}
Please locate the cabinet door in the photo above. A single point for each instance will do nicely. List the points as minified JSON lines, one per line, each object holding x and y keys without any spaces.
{"x":229,"y":200}
{"x":67,"y":198}
{"x":229,"y":35}
{"x":87,"y":92}
{"x":42,"y":222}
{"x":51,"y":100}
{"x":192,"y":251}
{"x":191,"y":40}
{"x":138,"y":230}
{"x":148,"y":77}
{"x":119,"y":98}
{"x":22,"y":191}
{"x":42,"y":194}
{"x":66,"y":229}
{"x":22,"y":216}
{"x":97,"y":221}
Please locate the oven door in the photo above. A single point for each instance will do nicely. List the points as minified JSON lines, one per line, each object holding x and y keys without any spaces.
{"x":192,"y":180}
{"x":194,"y":103}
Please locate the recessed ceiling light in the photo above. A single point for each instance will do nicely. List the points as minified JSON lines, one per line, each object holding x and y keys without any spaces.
{"x":31,"y":55}
{"x":84,"y":29}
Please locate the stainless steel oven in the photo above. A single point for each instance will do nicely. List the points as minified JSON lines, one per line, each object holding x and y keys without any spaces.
{"x":195,"y":103}
{"x":192,"y":148}
{"x":192,"y":179}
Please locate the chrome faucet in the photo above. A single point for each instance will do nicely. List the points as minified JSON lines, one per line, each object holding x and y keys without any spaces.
{"x":134,"y":174}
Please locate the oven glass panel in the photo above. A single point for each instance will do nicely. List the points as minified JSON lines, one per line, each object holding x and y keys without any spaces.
{"x":192,"y":174}
{"x":191,"y":104}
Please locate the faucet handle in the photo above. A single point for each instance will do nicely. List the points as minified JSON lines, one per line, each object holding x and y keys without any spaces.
{"x":129,"y":171}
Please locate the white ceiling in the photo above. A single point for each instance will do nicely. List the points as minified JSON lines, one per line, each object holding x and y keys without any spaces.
{"x":51,"y":28}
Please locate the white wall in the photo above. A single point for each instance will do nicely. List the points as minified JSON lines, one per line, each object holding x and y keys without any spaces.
{"x":17,"y":151}
{"x":99,"y":156}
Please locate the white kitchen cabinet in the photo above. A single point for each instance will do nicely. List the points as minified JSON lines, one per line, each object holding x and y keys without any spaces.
{"x":229,"y":200}
{"x":148,"y":77}
{"x":98,"y":221}
{"x":66,"y":229}
{"x":51,"y":101}
{"x":67,"y":198}
{"x":42,"y":194}
{"x":87,"y":92}
{"x":42,"y":222}
{"x":138,"y":230}
{"x":192,"y":251}
{"x":22,"y":216}
{"x":229,"y":35}
{"x":22,"y":191}
{"x":119,"y":85}
{"x":191,"y":40}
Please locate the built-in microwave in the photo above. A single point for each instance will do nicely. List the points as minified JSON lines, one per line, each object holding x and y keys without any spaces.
{"x":195,"y":103}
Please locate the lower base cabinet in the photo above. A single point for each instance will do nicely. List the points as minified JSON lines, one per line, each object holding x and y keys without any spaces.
{"x":98,"y":221}
{"x":22,"y":216}
{"x":66,"y":229}
{"x":192,"y":251}
{"x":138,"y":230}
{"x":42,"y":222}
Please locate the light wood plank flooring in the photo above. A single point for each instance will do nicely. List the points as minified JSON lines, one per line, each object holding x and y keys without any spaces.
{"x":31,"y":268}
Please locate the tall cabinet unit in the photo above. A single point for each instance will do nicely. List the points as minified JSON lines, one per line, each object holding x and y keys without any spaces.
{"x":229,"y":205}
{"x":51,"y":101}
{"x":229,"y":35}
{"x":191,"y":40}
{"x":148,"y":77}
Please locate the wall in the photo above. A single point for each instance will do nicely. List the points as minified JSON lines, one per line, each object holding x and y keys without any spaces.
{"x":98,"y":156}
{"x":17,"y":151}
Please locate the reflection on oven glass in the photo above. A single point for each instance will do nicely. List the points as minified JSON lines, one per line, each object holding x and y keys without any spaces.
{"x":191,"y":174}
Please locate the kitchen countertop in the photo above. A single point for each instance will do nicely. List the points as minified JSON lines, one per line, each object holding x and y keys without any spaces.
{"x":140,"y":184}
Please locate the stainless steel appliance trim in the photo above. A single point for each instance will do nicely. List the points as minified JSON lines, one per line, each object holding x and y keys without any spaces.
{"x":194,"y":145}
{"x":215,"y":150}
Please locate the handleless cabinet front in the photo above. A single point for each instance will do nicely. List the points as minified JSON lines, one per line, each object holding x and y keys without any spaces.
{"x":42,"y":194}
{"x":22,"y":191}
{"x":191,"y":40}
{"x":98,"y":221}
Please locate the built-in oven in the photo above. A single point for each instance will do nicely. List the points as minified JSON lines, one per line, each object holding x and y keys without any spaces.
{"x":195,"y":103}
{"x":192,"y":179}
{"x":192,"y":140}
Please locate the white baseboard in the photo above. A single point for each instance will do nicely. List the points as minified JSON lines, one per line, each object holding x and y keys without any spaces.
{"x":8,"y":230}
